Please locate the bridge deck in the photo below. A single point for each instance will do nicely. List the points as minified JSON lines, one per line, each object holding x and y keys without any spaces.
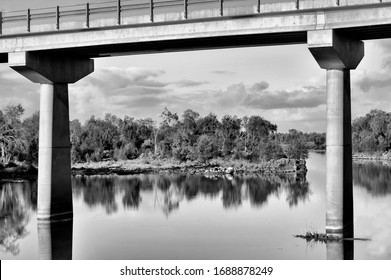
{"x":143,"y":26}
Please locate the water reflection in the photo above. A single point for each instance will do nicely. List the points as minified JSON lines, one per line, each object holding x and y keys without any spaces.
{"x":16,"y":202}
{"x":131,"y":198}
{"x":170,"y":190}
{"x":55,"y":240}
{"x":375,"y":178}
{"x":340,"y":250}
{"x":191,"y":205}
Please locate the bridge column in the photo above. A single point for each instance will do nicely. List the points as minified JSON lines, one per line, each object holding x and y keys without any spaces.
{"x":338,"y":54}
{"x":54,"y":161}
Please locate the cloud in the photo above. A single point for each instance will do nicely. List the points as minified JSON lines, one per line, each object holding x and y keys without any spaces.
{"x":306,"y":97}
{"x":374,"y":81}
{"x":189,"y":83}
{"x":137,"y":102}
{"x":258,"y":96}
{"x":222,"y":72}
{"x":261,"y":86}
{"x":144,"y":93}
{"x":116,"y":78}
{"x":385,"y":44}
{"x":16,"y":89}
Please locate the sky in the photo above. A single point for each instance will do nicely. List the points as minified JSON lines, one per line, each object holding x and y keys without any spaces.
{"x":283,"y":84}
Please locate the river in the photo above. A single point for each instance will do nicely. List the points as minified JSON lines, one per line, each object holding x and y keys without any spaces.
{"x":197,"y":217}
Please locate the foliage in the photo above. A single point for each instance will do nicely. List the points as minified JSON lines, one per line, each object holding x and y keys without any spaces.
{"x":372,"y":132}
{"x":12,"y":142}
{"x":190,"y":137}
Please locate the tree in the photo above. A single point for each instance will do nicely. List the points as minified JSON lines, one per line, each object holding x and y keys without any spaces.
{"x":76,"y":131}
{"x":372,"y":132}
{"x":296,"y":145}
{"x":208,"y":125}
{"x":31,"y":137}
{"x":98,"y":139}
{"x":11,"y":131}
{"x":207,"y":147}
{"x":230,"y":127}
{"x":169,"y":119}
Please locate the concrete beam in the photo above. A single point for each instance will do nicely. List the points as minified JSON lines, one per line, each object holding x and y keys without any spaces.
{"x":275,"y":26}
{"x":333,"y":51}
{"x":46,"y":69}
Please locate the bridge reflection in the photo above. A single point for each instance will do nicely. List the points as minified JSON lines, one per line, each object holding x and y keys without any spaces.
{"x":341,"y":250}
{"x":55,"y":240}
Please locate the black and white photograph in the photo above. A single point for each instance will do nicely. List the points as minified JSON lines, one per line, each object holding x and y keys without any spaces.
{"x":195,"y":130}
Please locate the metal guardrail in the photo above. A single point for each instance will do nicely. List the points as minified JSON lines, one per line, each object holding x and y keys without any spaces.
{"x":115,"y":8}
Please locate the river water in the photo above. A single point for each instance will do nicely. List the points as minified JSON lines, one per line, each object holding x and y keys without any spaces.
{"x":197,"y":217}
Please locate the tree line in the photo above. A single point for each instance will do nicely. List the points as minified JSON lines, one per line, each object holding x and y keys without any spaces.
{"x":372,"y":132}
{"x":189,"y":137}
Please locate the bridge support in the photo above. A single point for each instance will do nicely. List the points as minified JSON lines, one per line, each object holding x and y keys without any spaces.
{"x":54,"y":162}
{"x":338,"y":54}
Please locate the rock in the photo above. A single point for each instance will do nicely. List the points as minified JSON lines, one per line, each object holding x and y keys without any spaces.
{"x":229,"y":170}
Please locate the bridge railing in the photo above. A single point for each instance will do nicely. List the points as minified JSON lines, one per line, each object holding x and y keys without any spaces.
{"x":123,"y":12}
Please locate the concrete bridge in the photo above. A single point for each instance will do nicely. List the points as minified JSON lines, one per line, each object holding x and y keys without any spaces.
{"x":56,"y":46}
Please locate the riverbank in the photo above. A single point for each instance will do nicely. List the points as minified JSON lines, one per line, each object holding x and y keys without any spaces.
{"x":216,"y":166}
{"x":166,"y":166}
{"x":372,"y":156}
{"x":16,"y":171}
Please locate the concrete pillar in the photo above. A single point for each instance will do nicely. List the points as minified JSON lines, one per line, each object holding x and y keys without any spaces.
{"x":338,"y":54}
{"x":55,"y":240}
{"x":54,"y":73}
{"x":339,"y":186}
{"x":54,"y":161}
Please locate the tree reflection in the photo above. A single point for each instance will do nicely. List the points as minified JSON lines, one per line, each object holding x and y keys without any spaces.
{"x":297,"y":190}
{"x":375,"y":178}
{"x":232,"y":192}
{"x":170,"y":194}
{"x":260,"y":189}
{"x":170,"y":190}
{"x":131,"y":198}
{"x":16,"y":201}
{"x":99,"y":190}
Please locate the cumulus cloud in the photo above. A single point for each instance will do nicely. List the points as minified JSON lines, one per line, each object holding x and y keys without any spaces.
{"x":381,"y":78}
{"x":261,"y":86}
{"x":257,"y":96}
{"x":385,"y":44}
{"x":374,"y":80}
{"x":190,"y":83}
{"x":223,"y":72}
{"x":16,"y":89}
{"x":117,"y":78}
{"x":144,"y":93}
{"x":306,"y":97}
